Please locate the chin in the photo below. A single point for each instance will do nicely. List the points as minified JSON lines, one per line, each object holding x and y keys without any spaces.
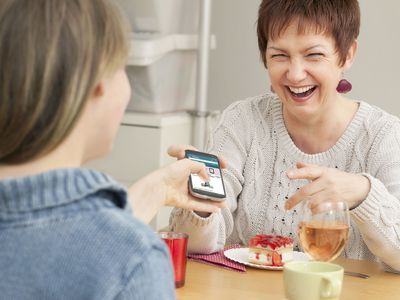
{"x":302,"y":112}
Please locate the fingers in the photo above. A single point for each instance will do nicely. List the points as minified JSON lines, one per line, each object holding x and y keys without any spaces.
{"x":204,"y":205}
{"x":315,"y":194}
{"x":301,"y":164}
{"x":193,"y":167}
{"x":222,"y":162}
{"x":306,"y":172}
{"x":177,"y":199}
{"x":178,"y":151}
{"x":306,"y":192}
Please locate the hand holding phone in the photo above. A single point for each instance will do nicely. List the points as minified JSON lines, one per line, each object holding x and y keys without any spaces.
{"x":212,"y":189}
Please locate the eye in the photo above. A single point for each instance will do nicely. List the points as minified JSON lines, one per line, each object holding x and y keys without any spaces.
{"x":278,"y":56}
{"x":315,"y":54}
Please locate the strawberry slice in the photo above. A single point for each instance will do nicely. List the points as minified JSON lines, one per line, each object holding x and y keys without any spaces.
{"x":276,"y":259}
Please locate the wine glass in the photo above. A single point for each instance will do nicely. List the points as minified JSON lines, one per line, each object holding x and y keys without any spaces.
{"x":324,"y":229}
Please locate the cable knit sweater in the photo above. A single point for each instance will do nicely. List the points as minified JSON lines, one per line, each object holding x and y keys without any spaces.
{"x":253,"y":138}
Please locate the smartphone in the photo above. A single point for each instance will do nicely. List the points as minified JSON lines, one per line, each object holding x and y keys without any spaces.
{"x":212,"y":189}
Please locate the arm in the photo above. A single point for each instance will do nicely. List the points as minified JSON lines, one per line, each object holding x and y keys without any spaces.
{"x":231,"y":138}
{"x":373,"y":197}
{"x":378,"y":216}
{"x":151,"y":279}
{"x":167,"y":186}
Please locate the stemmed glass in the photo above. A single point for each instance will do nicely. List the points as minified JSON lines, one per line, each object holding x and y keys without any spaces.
{"x":324,"y":229}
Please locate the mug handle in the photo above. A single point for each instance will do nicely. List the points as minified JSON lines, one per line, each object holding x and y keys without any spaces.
{"x":330,"y":287}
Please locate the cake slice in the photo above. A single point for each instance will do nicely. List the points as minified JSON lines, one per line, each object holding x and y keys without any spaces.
{"x":270,"y":250}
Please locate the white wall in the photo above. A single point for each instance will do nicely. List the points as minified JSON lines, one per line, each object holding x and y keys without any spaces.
{"x":236,"y":71}
{"x":376,"y":72}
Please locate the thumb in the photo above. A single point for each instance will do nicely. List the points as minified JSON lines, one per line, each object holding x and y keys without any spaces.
{"x":195,"y":167}
{"x":178,"y":151}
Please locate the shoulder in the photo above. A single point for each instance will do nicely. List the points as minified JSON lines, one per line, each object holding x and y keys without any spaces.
{"x":378,"y":141}
{"x":249,"y":109}
{"x":379,"y":124}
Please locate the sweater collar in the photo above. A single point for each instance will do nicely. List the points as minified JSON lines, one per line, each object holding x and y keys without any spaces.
{"x":55,"y":188}
{"x":343,"y":142}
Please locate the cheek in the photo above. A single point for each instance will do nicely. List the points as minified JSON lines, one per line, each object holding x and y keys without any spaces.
{"x":124,"y":95}
{"x":275,"y":72}
{"x":128,"y":88}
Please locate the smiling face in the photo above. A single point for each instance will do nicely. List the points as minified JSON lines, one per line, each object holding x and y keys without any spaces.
{"x":304,"y":72}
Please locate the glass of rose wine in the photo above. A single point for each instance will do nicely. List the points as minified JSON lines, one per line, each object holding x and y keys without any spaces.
{"x":324,"y":229}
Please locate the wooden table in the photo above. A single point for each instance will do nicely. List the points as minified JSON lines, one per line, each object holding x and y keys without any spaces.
{"x":205,"y":282}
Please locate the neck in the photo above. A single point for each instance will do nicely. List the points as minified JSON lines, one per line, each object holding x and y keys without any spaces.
{"x":66,"y":155}
{"x":319,"y":134}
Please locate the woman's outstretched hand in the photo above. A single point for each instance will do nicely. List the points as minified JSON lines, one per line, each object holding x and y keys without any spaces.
{"x":327,"y":183}
{"x":169,"y":186}
{"x":178,"y":151}
{"x":177,"y":193}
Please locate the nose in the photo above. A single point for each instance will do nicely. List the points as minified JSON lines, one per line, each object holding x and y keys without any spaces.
{"x":296,"y":72}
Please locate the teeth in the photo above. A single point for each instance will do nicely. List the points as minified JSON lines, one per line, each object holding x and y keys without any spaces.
{"x":301,"y":89}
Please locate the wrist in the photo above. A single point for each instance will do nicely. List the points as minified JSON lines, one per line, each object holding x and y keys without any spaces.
{"x":146,"y":196}
{"x":365,"y":186}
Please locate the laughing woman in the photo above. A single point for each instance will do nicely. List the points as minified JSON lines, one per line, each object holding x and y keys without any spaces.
{"x":306,"y":140}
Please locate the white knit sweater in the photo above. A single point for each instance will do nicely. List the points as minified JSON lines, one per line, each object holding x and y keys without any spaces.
{"x":253,"y":138}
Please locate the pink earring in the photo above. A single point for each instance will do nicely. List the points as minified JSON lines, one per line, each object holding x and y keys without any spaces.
{"x":344,"y":86}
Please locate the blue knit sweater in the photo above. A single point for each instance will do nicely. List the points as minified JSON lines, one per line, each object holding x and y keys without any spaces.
{"x":67,"y":234}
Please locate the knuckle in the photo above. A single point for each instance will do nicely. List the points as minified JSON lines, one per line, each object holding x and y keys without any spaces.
{"x":303,"y":192}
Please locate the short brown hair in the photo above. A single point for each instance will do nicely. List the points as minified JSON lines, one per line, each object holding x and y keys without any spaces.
{"x":337,"y":18}
{"x":52,"y":54}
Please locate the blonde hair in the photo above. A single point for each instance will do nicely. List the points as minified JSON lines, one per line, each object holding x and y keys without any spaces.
{"x":52,"y":54}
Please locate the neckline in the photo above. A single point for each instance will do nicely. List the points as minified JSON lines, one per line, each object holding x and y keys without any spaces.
{"x":341,"y":144}
{"x":56,"y":188}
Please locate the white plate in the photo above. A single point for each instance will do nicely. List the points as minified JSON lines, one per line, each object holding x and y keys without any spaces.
{"x":240,"y":255}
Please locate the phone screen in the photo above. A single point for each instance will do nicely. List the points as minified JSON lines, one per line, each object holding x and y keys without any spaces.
{"x":214,"y":187}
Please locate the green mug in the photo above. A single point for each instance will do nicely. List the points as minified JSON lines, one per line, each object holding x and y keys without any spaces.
{"x":312,"y":280}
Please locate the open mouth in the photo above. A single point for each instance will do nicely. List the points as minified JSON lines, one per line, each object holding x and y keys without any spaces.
{"x":302,"y":92}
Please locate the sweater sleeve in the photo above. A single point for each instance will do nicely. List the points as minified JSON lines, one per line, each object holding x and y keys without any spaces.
{"x":231,"y":139}
{"x":151,"y":278}
{"x":378,"y":216}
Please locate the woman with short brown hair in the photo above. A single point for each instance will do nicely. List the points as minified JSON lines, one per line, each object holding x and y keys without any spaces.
{"x":306,"y":140}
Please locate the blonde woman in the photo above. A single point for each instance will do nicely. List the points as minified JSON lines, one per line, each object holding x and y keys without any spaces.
{"x":66,"y":232}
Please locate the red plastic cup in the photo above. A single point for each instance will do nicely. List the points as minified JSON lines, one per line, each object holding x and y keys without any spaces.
{"x":177,"y":245}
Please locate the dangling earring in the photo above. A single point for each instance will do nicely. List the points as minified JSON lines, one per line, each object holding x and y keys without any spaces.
{"x":272,"y":89}
{"x":344,"y":86}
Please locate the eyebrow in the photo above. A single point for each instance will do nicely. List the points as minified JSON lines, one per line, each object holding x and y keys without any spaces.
{"x":274,"y":48}
{"x":307,"y":49}
{"x":315,"y":46}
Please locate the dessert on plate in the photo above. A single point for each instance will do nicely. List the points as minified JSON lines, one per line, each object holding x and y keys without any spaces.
{"x":270,"y":250}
